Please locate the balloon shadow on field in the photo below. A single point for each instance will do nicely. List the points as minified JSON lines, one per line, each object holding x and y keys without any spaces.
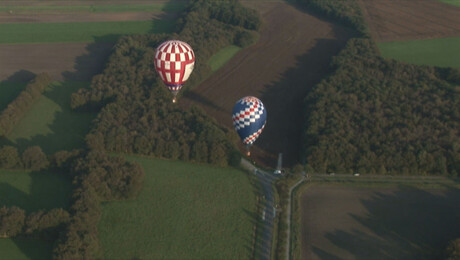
{"x":409,"y":223}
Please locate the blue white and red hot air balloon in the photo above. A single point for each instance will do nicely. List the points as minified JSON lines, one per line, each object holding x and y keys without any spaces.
{"x":249,"y":118}
{"x":174,"y":62}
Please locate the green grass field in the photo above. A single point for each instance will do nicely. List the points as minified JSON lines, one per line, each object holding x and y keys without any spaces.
{"x":104,"y":8}
{"x":184,"y":211}
{"x":15,"y":33}
{"x":451,"y":2}
{"x":51,"y":123}
{"x":9,"y":91}
{"x":434,"y":52}
{"x":33,"y":191}
{"x":223,"y":56}
{"x":19,"y":248}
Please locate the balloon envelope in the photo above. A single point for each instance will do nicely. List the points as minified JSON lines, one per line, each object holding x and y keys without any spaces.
{"x":174,"y":62}
{"x":249,"y":117}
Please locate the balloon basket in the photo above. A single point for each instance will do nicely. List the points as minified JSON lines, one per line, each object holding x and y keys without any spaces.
{"x":248,"y":153}
{"x":174,"y":100}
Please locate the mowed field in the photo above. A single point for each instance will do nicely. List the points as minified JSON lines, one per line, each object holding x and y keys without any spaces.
{"x":451,"y":2}
{"x":444,"y":52}
{"x":184,"y":211}
{"x":351,"y":222}
{"x":291,"y":56}
{"x":401,"y":20}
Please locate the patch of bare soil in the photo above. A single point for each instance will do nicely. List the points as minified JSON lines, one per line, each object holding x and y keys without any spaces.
{"x":339,"y":222}
{"x":62,"y":61}
{"x":291,"y":56}
{"x":398,"y":20}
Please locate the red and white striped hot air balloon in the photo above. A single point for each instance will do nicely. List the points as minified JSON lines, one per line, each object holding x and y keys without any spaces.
{"x":174,"y":61}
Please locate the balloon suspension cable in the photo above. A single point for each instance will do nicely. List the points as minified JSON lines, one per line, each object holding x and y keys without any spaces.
{"x":174,"y":96}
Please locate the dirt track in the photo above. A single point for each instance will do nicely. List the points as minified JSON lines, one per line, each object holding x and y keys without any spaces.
{"x":82,"y":17}
{"x":291,"y":56}
{"x":396,"y":20}
{"x":340,"y":222}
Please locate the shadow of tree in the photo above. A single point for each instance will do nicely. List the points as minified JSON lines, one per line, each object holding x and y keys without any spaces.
{"x":408,"y":223}
{"x":65,"y":129}
{"x":21,"y":76}
{"x":92,"y":62}
{"x":33,"y":191}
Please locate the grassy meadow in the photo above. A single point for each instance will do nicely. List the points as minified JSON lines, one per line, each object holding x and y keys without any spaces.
{"x":223,"y":56}
{"x":184,"y":211}
{"x":51,"y":123}
{"x":20,"y":248}
{"x":443,"y":52}
{"x":33,"y":191}
{"x":451,"y":2}
{"x":103,"y":8}
{"x":16,"y":33}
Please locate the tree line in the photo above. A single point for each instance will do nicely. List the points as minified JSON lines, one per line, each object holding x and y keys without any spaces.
{"x":33,"y":158}
{"x":96,"y":177}
{"x":136,"y":114}
{"x":346,"y":12}
{"x":378,"y":116}
{"x":11,"y":115}
{"x":38,"y":225}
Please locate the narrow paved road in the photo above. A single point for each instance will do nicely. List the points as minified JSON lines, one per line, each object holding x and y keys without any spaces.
{"x":264,"y":242}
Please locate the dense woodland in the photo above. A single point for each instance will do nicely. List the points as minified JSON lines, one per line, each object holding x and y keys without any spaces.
{"x":377,"y":116}
{"x":137,"y":115}
{"x":11,"y":115}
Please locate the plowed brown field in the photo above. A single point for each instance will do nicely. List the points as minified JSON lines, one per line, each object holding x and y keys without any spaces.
{"x":340,"y":222}
{"x":291,"y":56}
{"x":397,"y":20}
{"x":62,"y":61}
